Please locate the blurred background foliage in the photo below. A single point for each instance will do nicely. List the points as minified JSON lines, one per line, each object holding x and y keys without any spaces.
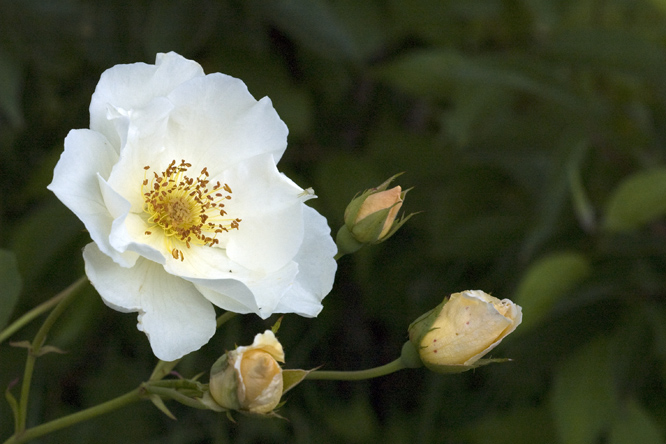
{"x":533,"y":133}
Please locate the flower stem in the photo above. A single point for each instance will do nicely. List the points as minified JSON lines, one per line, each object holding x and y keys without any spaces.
{"x":66,"y":421}
{"x":357,"y":375}
{"x":32,"y":314}
{"x":223,"y":318}
{"x":33,"y":352}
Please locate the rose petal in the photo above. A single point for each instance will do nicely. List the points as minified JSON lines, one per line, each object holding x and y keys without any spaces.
{"x":176,"y":318}
{"x":218,"y":124}
{"x":316,"y":268}
{"x":271,"y":230}
{"x":75,"y":181}
{"x":134,"y":85}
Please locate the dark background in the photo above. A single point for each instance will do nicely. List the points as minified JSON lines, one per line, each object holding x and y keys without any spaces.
{"x":533,"y":133}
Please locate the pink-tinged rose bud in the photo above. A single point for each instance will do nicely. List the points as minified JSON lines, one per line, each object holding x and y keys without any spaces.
{"x":455,"y":335}
{"x":389,"y":199}
{"x":371,"y":217}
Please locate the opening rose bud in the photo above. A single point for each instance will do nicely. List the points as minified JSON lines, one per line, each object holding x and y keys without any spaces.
{"x":390,"y":200}
{"x":371,"y":217}
{"x":456,"y":334}
{"x":249,"y":378}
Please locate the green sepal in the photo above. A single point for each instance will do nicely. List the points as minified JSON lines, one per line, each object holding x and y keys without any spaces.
{"x":423,"y":324}
{"x":159,"y":403}
{"x":450,"y":369}
{"x":277,"y":324}
{"x":409,"y":356}
{"x":292,"y":377}
{"x":346,"y":242}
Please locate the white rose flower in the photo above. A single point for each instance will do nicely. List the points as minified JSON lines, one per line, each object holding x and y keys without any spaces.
{"x":176,"y":182}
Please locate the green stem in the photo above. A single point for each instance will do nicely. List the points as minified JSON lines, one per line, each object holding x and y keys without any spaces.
{"x":33,"y":351}
{"x":29,"y":316}
{"x":84,"y":415}
{"x":223,"y":318}
{"x":370,"y":373}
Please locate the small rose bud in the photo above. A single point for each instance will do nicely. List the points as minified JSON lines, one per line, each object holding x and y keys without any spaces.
{"x":371,"y":218}
{"x":456,"y":334}
{"x":249,"y":378}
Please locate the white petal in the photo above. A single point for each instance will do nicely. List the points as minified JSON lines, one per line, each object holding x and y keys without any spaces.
{"x":132,"y":86}
{"x":75,"y":181}
{"x":271,"y":230}
{"x":316,"y":268}
{"x":127,"y":230}
{"x":226,"y":302}
{"x":176,"y":318}
{"x":217,"y":123}
{"x":255,"y":293}
{"x":144,"y":147}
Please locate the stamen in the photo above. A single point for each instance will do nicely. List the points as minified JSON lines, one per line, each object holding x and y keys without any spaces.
{"x":186,"y":209}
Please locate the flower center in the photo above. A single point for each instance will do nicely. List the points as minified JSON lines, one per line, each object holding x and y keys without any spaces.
{"x":188,"y":210}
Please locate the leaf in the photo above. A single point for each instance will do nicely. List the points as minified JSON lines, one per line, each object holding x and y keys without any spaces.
{"x":609,"y":50}
{"x":11,"y":400}
{"x":20,"y":344}
{"x":547,"y":281}
{"x":433,"y":74}
{"x":50,"y":349}
{"x":635,"y":425}
{"x":10,"y":285}
{"x":312,"y":24}
{"x":636,"y":201}
{"x":11,"y":85}
{"x":584,"y":397}
{"x":42,"y":350}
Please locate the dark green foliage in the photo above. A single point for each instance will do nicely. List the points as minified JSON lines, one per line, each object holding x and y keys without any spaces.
{"x":533,"y":133}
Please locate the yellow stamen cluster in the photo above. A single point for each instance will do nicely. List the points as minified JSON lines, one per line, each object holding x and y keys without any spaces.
{"x":188,"y":210}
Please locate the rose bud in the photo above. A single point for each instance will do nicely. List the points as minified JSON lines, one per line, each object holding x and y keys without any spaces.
{"x":249,"y":378}
{"x":456,"y":334}
{"x":371,"y":218}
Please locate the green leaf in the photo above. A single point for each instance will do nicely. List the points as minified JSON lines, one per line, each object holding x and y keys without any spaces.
{"x":10,"y":285}
{"x":312,"y":24}
{"x":521,"y":425}
{"x":584,"y":398}
{"x":635,"y":425}
{"x":435,"y":73}
{"x":11,"y":400}
{"x":548,"y":280}
{"x":609,"y":50}
{"x":638,"y":200}
{"x":11,"y":85}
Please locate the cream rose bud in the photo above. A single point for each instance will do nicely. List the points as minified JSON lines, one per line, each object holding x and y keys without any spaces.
{"x":249,"y":378}
{"x":371,"y":217}
{"x":458,"y":332}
